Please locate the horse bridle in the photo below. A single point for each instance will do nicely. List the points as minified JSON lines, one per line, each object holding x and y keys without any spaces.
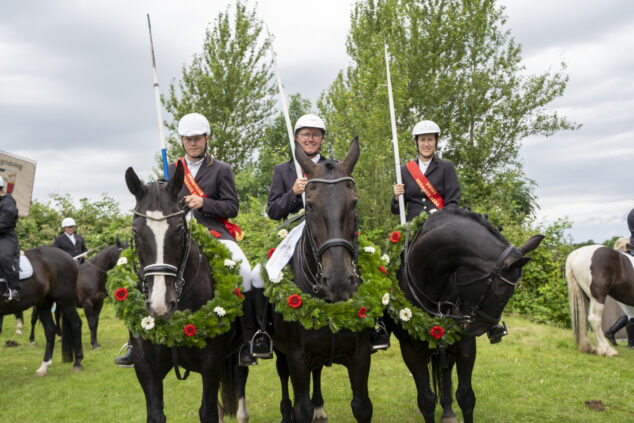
{"x":318,"y":252}
{"x":164,"y":269}
{"x":475,"y":311}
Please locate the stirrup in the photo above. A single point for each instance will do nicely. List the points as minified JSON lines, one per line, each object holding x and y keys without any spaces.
{"x":128,"y":349}
{"x":261,"y":354}
{"x":380,"y":338}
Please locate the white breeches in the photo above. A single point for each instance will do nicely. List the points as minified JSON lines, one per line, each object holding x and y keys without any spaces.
{"x":250,"y":277}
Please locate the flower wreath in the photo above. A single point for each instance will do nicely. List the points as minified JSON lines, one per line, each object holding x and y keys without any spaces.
{"x":185,"y":328}
{"x":355,"y":314}
{"x":419,"y":324}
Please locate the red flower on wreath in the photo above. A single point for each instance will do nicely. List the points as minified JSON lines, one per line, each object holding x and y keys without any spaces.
{"x":215,"y":233}
{"x":395,"y":237}
{"x":121,"y":294}
{"x":236,"y":291}
{"x":271,"y":251}
{"x":437,"y":332}
{"x":190,"y":330}
{"x":363,"y":312}
{"x":382,"y":269}
{"x":294,"y":301}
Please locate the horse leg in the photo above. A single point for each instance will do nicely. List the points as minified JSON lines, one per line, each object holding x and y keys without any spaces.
{"x":151,"y":365}
{"x":91,"y":310}
{"x":46,"y":318}
{"x":72,"y":328}
{"x":358,"y":372}
{"x":319,"y":415}
{"x":34,"y":315}
{"x":465,"y":361}
{"x":594,"y":317}
{"x":19,"y":323}
{"x":446,"y":400}
{"x":300,"y":379}
{"x":286,"y":407}
{"x":243,"y":374}
{"x":416,"y":362}
{"x":209,"y":410}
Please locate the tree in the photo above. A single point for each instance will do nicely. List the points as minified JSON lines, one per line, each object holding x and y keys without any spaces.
{"x":230,"y":83}
{"x":452,"y":62}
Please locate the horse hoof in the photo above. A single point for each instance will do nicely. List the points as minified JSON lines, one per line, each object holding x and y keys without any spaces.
{"x":449,"y":420}
{"x":32,"y":344}
{"x":40,"y":373}
{"x":77,"y":369}
{"x":96,"y":347}
{"x":18,"y":332}
{"x":319,"y":415}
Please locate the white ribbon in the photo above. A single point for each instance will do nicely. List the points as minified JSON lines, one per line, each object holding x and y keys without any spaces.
{"x":284,"y":252}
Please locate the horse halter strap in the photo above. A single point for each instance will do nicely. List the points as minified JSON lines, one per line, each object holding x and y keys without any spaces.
{"x":164,"y":269}
{"x":332,"y":242}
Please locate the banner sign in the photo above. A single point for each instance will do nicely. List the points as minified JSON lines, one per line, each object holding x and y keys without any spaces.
{"x":19,"y":175}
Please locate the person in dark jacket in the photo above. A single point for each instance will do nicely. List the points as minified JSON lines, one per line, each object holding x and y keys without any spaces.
{"x":285,"y":192}
{"x":9,"y":247}
{"x":71,"y":242}
{"x":441,"y":174}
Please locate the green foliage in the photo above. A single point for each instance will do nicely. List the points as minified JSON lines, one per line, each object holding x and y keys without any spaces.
{"x":99,"y":222}
{"x":230,"y":82}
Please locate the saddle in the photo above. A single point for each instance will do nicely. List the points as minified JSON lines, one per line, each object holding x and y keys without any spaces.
{"x":26,"y":269}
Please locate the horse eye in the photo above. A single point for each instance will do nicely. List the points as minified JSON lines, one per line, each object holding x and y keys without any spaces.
{"x":354,"y":202}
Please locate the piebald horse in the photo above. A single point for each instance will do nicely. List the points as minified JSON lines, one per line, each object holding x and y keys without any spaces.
{"x":593,"y":272}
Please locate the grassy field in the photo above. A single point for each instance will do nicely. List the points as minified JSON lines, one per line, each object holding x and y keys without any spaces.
{"x":534,"y":375}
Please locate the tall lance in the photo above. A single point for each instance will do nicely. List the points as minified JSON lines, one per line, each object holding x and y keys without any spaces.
{"x":287,"y":118}
{"x":157,"y":97}
{"x":397,"y":159}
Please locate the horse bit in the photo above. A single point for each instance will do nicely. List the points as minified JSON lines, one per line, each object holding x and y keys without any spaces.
{"x":317,"y":253}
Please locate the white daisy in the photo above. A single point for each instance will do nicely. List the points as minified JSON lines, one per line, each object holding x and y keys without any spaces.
{"x":230,"y":263}
{"x":386,"y":299}
{"x":385,"y":258}
{"x":122,"y":260}
{"x":282,"y":233}
{"x":405,"y":314}
{"x":147,"y":323}
{"x":219,"y":311}
{"x":370,"y":250}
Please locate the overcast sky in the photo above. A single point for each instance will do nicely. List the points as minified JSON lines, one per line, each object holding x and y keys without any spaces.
{"x":76,"y":90}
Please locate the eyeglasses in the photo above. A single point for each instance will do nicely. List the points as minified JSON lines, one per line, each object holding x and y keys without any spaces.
{"x":308,"y":135}
{"x":194,"y":139}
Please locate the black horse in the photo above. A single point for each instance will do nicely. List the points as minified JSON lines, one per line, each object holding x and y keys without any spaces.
{"x":91,"y":285}
{"x":163,"y":244}
{"x":324,"y":266}
{"x":53,"y":280}
{"x":463,"y":247}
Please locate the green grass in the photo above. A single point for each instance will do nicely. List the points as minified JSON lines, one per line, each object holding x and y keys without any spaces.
{"x":534,"y":375}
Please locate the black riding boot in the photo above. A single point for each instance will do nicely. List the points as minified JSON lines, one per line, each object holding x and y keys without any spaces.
{"x":11,"y":280}
{"x":125,"y":360}
{"x":248,"y":330}
{"x":617,"y":326}
{"x":380,"y":337}
{"x":261,"y":344}
{"x":630,"y":332}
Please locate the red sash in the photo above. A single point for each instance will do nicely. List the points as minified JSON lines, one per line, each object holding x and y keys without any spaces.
{"x":424,"y":184}
{"x":233,"y":229}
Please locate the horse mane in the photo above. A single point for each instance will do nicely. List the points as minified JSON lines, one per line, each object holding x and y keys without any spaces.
{"x":452,"y":213}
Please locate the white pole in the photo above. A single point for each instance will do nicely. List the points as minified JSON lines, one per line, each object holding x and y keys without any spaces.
{"x":287,"y":118}
{"x":157,"y":98}
{"x":397,"y":159}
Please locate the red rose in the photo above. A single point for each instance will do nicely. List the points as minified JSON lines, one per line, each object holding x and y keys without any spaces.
{"x":215,"y":233}
{"x":190,"y":330}
{"x":395,"y":237}
{"x":363,"y":312}
{"x":236,"y":290}
{"x":294,"y":301}
{"x":271,"y":251}
{"x":121,"y":294}
{"x":437,"y":332}
{"x":382,"y":269}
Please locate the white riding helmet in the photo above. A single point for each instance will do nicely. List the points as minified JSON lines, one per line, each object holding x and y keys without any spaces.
{"x":426,"y":127}
{"x":68,"y":221}
{"x":193,"y":124}
{"x":310,"y":121}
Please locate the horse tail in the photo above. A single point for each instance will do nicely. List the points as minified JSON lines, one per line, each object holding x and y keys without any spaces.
{"x":578,"y":303}
{"x":229,"y":381}
{"x":68,"y":344}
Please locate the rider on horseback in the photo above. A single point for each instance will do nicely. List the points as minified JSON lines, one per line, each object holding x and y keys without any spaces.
{"x":624,"y":321}
{"x":9,"y":247}
{"x":71,"y":242}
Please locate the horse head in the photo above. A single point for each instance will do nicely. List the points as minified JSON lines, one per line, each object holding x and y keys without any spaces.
{"x":332,"y":223}
{"x":161,"y":237}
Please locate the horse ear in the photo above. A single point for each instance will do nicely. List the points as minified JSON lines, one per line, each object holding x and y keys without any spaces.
{"x":304,"y":161}
{"x":347,"y":165}
{"x":135,"y":185}
{"x":175,"y":183}
{"x":117,"y":242}
{"x":531,"y":244}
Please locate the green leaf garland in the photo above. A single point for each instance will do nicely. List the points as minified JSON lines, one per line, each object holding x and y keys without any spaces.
{"x":212,"y":319}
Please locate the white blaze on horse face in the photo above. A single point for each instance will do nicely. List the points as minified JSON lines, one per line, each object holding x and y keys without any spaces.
{"x":159,"y":288}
